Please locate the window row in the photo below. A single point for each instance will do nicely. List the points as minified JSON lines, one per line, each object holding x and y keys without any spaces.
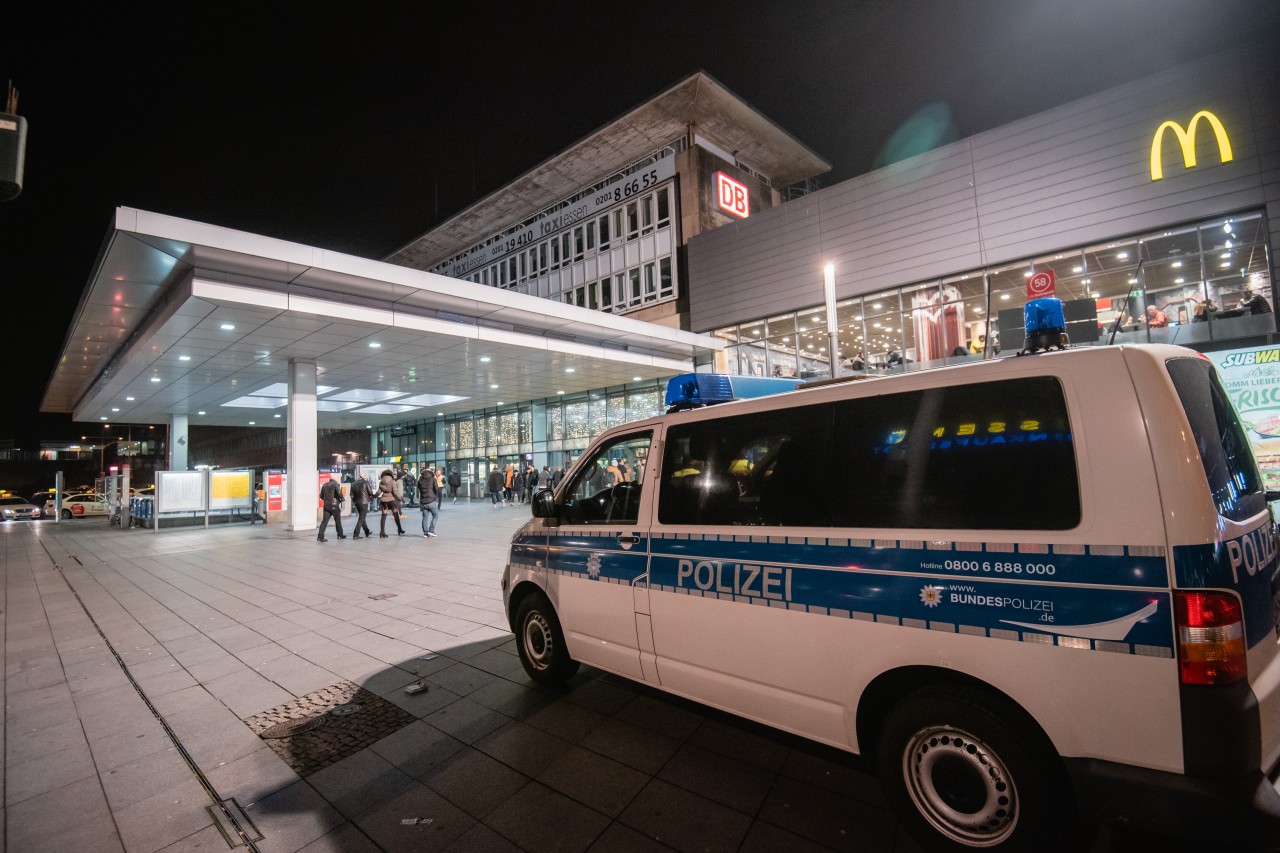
{"x":631,"y":221}
{"x":651,"y":282}
{"x":1187,"y":285}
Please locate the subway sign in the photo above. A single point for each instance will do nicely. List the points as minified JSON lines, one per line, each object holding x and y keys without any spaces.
{"x":1187,"y":141}
{"x":732,"y":197}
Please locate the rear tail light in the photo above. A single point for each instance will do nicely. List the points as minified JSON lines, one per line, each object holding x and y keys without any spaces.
{"x":1210,"y":638}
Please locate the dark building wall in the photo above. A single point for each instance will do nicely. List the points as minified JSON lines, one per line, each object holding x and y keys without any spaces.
{"x":1069,"y":176}
{"x":264,"y":447}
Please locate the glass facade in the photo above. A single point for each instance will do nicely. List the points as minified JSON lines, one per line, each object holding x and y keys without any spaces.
{"x":1191,"y":285}
{"x":553,"y":430}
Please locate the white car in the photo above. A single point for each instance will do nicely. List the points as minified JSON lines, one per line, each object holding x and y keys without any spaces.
{"x":79,"y":506}
{"x":17,"y":509}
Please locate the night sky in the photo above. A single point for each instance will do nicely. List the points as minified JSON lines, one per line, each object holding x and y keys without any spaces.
{"x":357,"y":135}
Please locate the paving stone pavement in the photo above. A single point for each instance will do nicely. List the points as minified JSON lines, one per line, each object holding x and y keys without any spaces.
{"x":141,"y":668}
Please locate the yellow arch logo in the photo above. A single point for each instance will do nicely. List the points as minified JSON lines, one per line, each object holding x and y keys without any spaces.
{"x":1187,"y":139}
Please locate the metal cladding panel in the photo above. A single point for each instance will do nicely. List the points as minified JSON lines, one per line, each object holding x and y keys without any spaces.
{"x":1066,"y":177}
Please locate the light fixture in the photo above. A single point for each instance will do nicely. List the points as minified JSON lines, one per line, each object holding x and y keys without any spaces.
{"x":493,"y":387}
{"x":1124,"y":256}
{"x":277,"y":415}
{"x":484,"y":359}
{"x":199,"y":413}
{"x":114,"y":409}
{"x":570,"y":370}
{"x":374,"y":345}
{"x":253,"y":423}
{"x":1004,"y":296}
{"x":102,"y":417}
{"x":368,"y":426}
{"x":635,"y":378}
{"x":1177,"y":264}
{"x":184,"y":358}
{"x":129,"y":399}
{"x":155,"y":378}
{"x":1077,"y":269}
{"x":227,"y":327}
{"x":559,"y":392}
{"x":1179,"y":280}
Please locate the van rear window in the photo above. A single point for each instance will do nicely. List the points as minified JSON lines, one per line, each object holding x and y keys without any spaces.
{"x":1234,"y":479}
{"x":989,"y":456}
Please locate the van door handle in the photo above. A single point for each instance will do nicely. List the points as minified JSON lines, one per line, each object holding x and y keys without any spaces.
{"x":628,"y":539}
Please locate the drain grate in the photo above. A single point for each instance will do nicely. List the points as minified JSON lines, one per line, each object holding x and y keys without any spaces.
{"x":322,"y":728}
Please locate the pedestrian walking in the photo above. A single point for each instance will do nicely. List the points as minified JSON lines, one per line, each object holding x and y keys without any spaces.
{"x":508,"y":484}
{"x":429,"y":496}
{"x":557,"y":476}
{"x":544,"y":479}
{"x":530,"y":481}
{"x":389,"y":495}
{"x":494,"y":485}
{"x":409,"y":484}
{"x":362,"y":494}
{"x":455,"y":483}
{"x":331,"y":500}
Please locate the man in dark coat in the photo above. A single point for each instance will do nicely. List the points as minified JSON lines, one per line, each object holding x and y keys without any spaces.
{"x":362,"y":495}
{"x":455,"y":483}
{"x":331,"y":498}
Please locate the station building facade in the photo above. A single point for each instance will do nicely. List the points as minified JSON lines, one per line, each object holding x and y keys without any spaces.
{"x":1163,"y":192}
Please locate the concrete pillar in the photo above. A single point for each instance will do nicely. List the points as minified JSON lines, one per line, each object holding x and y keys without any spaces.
{"x":302,"y":446}
{"x":178,"y":443}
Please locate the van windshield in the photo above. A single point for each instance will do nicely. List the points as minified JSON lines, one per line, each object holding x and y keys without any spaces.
{"x":1234,"y":478}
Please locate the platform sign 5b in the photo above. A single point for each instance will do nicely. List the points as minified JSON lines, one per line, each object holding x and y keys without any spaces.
{"x":732,"y":197}
{"x":1040,"y":284}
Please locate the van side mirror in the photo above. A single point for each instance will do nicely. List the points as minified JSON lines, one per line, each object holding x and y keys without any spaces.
{"x":544,"y":504}
{"x":1273,"y":495}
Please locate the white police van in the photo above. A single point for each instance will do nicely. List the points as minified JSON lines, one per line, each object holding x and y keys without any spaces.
{"x":1031,"y":589}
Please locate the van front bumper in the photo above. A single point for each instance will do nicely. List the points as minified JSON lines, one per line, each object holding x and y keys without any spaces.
{"x":1243,"y":811}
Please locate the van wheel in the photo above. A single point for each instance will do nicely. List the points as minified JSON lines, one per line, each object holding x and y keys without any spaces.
{"x":541,"y":642}
{"x":963,"y":769}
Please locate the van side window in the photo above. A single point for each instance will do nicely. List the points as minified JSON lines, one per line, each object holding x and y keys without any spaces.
{"x":990,"y":456}
{"x":607,"y":490}
{"x":1234,"y":478}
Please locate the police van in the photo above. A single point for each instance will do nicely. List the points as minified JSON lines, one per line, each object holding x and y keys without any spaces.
{"x":1038,"y":592}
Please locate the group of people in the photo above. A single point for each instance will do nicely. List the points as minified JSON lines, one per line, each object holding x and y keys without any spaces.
{"x":388,"y":498}
{"x":513,"y":485}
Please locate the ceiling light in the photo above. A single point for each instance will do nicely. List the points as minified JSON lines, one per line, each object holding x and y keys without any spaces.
{"x":1027,"y":274}
{"x":1225,"y":264}
{"x":1179,"y":280}
{"x":1077,"y":269}
{"x":439,"y":414}
{"x":277,"y":415}
{"x":129,"y":399}
{"x":484,"y":359}
{"x":500,"y":403}
{"x":1225,"y":255}
{"x":1096,"y":295}
{"x":227,"y":327}
{"x":1177,"y":263}
{"x":1124,"y":256}
{"x":570,"y":370}
{"x":876,"y":306}
{"x":635,"y":378}
{"x":374,"y":345}
{"x":559,"y":392}
{"x":1004,"y":296}
{"x":368,"y":426}
{"x":155,"y":378}
{"x":199,"y":413}
{"x":184,"y":358}
{"x":253,"y":423}
{"x":102,"y":417}
{"x":494,"y":387}
{"x":114,"y":409}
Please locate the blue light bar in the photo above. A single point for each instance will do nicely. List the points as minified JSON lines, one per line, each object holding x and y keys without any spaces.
{"x":690,"y":390}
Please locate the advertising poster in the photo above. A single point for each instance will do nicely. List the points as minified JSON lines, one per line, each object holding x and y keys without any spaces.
{"x":231,"y":489}
{"x":1252,"y":379}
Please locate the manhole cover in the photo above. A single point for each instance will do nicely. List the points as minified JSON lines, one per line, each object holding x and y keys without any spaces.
{"x":293,"y":727}
{"x":345,"y":710}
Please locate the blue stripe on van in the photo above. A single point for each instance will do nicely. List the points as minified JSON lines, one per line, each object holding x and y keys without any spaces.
{"x":1102,"y":565}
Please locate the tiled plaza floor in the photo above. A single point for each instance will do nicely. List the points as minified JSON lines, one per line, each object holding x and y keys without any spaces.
{"x":141,"y":669}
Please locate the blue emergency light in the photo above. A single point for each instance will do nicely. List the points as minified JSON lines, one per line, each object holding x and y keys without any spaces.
{"x":1046,"y":326}
{"x":691,"y":390}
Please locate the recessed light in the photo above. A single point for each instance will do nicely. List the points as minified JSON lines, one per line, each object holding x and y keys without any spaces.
{"x":368,"y":426}
{"x":1124,"y":256}
{"x":485,"y":359}
{"x":374,"y":345}
{"x":559,"y":392}
{"x":277,"y":416}
{"x":253,"y":423}
{"x":155,"y":378}
{"x":1004,"y":296}
{"x":439,"y":414}
{"x":129,"y":399}
{"x":635,"y":378}
{"x":1077,"y":269}
{"x":114,"y":409}
{"x":102,"y":417}
{"x":1177,"y":263}
{"x":569,"y":370}
{"x":494,"y":387}
{"x":500,"y":403}
{"x":184,"y":358}
{"x":1179,"y":280}
{"x":199,"y":413}
{"x":227,"y":327}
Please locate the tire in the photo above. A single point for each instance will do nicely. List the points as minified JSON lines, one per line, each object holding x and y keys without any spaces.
{"x":540,"y":642}
{"x":66,"y":515}
{"x":965,"y":770}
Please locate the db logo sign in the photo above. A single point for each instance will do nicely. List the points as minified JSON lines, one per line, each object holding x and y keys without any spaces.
{"x":1040,"y":284}
{"x":732,"y":196}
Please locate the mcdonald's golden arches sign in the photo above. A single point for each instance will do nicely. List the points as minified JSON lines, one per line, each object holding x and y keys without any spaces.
{"x":1187,"y":140}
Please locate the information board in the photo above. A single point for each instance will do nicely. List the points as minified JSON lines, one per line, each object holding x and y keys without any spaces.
{"x":231,"y":489}
{"x":179,"y":491}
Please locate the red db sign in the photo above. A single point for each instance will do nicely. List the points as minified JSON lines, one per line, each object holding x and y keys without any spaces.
{"x":732,"y":196}
{"x":1040,"y":284}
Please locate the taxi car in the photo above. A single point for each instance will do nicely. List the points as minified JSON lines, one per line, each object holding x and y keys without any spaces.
{"x":79,"y":506}
{"x":17,"y":509}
